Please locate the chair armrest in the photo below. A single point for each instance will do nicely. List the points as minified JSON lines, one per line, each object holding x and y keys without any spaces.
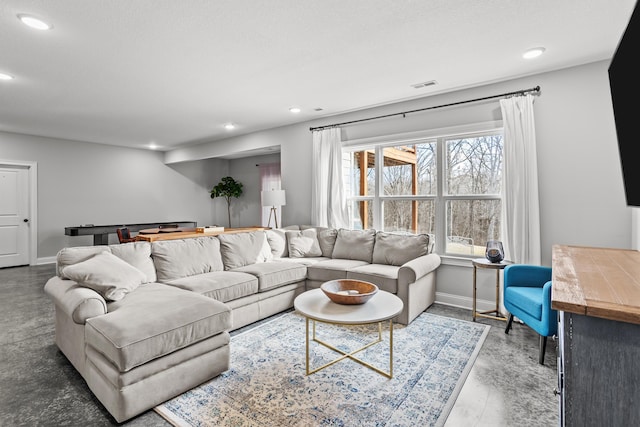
{"x":546,"y":292}
{"x":77,"y":302}
{"x":413,"y":270}
{"x":526,"y":275}
{"x":549,"y":315}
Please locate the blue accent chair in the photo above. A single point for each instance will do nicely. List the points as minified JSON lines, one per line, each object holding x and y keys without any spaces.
{"x":527,"y":296}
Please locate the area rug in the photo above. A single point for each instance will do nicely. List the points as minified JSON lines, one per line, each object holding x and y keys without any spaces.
{"x":267,"y":383}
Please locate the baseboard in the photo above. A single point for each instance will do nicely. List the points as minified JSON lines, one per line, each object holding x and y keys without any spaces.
{"x":464,"y":302}
{"x":46,"y":260}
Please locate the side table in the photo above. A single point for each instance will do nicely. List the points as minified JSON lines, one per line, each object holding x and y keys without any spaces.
{"x":497,"y":266}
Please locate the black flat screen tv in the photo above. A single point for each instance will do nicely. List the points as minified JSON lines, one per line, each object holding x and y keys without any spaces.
{"x":625,"y":95}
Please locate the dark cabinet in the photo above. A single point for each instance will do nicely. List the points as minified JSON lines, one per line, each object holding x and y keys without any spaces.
{"x":597,"y":294}
{"x":598,"y":371}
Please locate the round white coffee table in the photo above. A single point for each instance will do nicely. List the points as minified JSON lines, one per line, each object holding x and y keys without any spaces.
{"x":315,"y":306}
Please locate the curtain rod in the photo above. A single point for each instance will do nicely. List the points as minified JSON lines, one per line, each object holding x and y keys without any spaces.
{"x":518,"y":92}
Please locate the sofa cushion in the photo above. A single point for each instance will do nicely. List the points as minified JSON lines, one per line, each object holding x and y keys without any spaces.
{"x":396,"y":249}
{"x":277,"y":240}
{"x":290,"y":227}
{"x":175,"y":259}
{"x":246,"y":248}
{"x":106,"y":274}
{"x":274,"y":274}
{"x":137,"y":254}
{"x":383,"y":275}
{"x":326,"y":238}
{"x":154,"y":321}
{"x":354,"y":244}
{"x":527,"y":299}
{"x":315,"y":227}
{"x":332,"y":269}
{"x":220,"y":285}
{"x":303,"y":243}
{"x":303,"y":261}
{"x":162,"y":365}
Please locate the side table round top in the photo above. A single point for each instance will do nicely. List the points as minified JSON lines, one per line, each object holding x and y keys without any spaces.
{"x":485,"y":263}
{"x":314,"y":304}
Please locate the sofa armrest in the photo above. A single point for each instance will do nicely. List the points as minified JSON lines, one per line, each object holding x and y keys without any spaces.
{"x":77,"y":302}
{"x":417,"y":268}
{"x":417,"y":286}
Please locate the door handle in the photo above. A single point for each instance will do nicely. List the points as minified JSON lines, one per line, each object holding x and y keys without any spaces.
{"x":25,"y":220}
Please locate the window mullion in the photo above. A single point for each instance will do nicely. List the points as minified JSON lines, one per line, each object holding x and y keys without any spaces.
{"x":378,"y":213}
{"x":441,"y":207}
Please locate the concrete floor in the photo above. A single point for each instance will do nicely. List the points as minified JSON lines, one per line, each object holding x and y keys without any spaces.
{"x":39,"y":387}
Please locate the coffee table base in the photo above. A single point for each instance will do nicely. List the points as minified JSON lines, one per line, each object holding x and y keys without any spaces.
{"x":349,"y":355}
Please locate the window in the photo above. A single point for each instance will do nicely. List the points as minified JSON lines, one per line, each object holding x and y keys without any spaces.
{"x":448,"y":187}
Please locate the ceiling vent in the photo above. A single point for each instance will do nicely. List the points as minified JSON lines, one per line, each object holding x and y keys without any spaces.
{"x":424,"y":84}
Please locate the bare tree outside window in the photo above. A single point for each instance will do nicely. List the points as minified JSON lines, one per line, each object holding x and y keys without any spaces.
{"x":409,"y":196}
{"x":474,"y":174}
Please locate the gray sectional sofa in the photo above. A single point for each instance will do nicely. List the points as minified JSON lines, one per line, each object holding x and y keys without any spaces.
{"x":144,"y":322}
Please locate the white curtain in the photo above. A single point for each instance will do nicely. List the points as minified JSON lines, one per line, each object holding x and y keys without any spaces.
{"x":328,"y":204}
{"x":270,"y":179}
{"x":520,"y":205}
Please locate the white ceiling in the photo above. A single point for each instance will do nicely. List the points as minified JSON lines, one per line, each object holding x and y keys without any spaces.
{"x":129,"y":73}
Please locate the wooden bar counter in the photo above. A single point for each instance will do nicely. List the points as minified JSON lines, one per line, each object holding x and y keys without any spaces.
{"x":597,"y":294}
{"x":598,"y":282}
{"x":191,"y":234}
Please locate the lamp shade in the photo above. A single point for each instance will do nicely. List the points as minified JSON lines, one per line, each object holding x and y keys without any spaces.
{"x":274,"y":198}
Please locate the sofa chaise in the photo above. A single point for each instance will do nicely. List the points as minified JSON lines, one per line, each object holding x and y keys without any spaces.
{"x":144,"y":322}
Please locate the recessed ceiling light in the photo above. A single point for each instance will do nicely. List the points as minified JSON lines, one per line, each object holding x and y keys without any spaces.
{"x":229,"y":126}
{"x":152,"y":146}
{"x":424,"y":84}
{"x":34,"y":22}
{"x":533,"y":52}
{"x":295,"y":110}
{"x":4,"y":76}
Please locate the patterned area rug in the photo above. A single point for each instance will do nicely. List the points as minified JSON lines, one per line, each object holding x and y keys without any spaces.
{"x":267,"y":385}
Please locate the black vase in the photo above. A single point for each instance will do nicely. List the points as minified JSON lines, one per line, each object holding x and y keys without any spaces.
{"x":495,"y":251}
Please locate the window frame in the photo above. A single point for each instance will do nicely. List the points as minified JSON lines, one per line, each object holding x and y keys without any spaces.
{"x":441,"y":198}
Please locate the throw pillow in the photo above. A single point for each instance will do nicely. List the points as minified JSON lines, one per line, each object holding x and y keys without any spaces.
{"x":303,"y":243}
{"x":327,"y":240}
{"x":397,"y":249}
{"x":277,"y":242}
{"x":76,"y":254}
{"x":106,"y":274}
{"x":354,"y":244}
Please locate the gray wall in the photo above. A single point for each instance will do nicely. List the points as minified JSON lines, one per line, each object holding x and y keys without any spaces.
{"x":81,"y":183}
{"x":248,"y":209}
{"x":581,"y":193}
{"x":580,"y":182}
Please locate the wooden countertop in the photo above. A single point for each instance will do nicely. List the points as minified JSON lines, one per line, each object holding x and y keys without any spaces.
{"x":187,"y":235}
{"x":598,"y":282}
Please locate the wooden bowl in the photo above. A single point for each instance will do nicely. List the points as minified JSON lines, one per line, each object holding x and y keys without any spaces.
{"x":347,"y":291}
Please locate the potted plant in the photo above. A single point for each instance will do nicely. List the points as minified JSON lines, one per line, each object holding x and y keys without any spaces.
{"x":227,"y":188}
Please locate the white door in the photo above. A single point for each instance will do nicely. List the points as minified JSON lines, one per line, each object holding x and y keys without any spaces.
{"x":14,"y":216}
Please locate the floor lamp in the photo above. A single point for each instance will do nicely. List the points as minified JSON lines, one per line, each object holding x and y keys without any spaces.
{"x":273,"y":198}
